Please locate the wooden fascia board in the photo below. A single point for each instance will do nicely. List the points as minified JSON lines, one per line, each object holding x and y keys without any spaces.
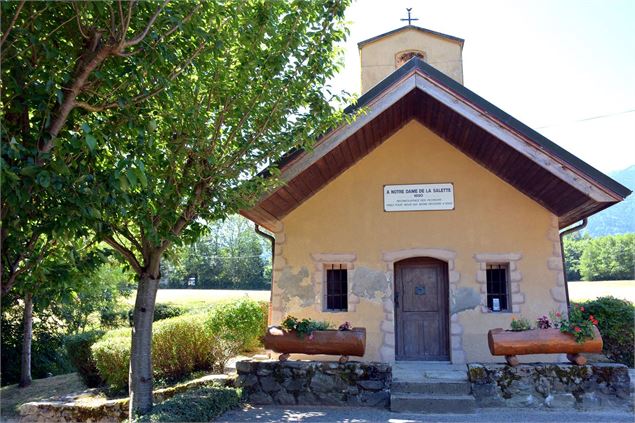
{"x":338,"y":136}
{"x":263,"y":218}
{"x":515,"y":140}
{"x":334,"y":138}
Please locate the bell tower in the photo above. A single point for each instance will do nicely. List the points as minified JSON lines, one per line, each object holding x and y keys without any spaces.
{"x":383,"y":54}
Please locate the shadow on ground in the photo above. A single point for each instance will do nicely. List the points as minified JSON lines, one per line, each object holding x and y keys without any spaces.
{"x":316,"y":414}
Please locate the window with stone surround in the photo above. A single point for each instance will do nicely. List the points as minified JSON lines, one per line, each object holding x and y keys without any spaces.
{"x":497,"y":280}
{"x":336,"y":292}
{"x":515,"y":298}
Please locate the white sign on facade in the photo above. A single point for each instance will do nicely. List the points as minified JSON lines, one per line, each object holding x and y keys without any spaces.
{"x":418,"y":197}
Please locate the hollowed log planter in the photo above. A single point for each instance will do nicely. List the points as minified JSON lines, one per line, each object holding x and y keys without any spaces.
{"x":541,"y":341}
{"x":331,"y":342}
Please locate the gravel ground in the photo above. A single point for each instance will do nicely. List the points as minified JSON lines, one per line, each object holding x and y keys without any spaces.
{"x":312,"y":414}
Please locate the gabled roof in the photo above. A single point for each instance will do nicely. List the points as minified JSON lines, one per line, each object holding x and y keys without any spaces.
{"x":461,"y":41}
{"x":545,"y":172}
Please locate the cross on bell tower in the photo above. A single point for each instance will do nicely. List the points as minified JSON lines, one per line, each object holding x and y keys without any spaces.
{"x":409,"y":19}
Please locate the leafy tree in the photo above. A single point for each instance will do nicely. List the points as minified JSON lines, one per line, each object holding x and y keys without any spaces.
{"x":62,"y":306}
{"x":63,"y":62}
{"x":152,"y":118}
{"x":194,"y":156}
{"x":55,"y":288}
{"x":95,"y":292}
{"x":47,"y":341}
{"x":609,"y":258}
{"x":574,"y":245}
{"x":230,"y":256}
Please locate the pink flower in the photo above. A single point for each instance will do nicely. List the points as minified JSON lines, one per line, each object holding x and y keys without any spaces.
{"x":581,"y":308}
{"x":558,"y":314}
{"x":577,"y":329}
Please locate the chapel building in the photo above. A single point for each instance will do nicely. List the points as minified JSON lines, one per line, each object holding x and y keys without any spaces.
{"x":431,"y":218}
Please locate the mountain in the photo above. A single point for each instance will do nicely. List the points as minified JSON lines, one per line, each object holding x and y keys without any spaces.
{"x":620,"y":218}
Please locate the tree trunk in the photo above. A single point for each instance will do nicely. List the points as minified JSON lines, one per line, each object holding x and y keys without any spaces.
{"x":140,"y":377}
{"x":25,"y":362}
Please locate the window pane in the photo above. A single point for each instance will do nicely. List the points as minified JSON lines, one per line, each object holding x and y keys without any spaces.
{"x":496,"y":278}
{"x":336,"y":289}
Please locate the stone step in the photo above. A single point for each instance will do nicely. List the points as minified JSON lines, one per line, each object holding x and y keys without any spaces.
{"x":444,"y":387}
{"x":432,"y":403}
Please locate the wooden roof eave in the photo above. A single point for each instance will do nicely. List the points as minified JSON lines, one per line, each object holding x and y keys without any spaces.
{"x":520,"y":143}
{"x":395,"y":91}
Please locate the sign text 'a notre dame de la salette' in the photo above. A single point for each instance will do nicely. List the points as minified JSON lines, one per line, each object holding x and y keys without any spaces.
{"x":418,"y":197}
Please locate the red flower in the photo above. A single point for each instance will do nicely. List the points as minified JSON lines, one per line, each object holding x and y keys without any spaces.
{"x":577,"y":329}
{"x":558,"y":314}
{"x":595,"y":322}
{"x":581,"y":308}
{"x":591,"y":317}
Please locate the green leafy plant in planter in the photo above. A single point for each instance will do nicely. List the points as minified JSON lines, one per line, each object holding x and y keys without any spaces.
{"x":578,"y":324}
{"x":304,"y":327}
{"x":520,"y":324}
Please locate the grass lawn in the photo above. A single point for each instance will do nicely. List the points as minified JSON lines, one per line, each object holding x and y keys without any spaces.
{"x":11,"y":397}
{"x":579,"y":291}
{"x":201,"y":298}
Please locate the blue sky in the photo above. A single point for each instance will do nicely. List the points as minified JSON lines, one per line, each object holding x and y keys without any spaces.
{"x":549,"y":63}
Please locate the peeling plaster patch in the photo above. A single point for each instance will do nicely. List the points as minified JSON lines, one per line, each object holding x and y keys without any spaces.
{"x":464,"y":299}
{"x":294,"y":285}
{"x":366,"y":283}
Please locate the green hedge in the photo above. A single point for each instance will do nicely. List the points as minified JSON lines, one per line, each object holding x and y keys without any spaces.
{"x":112,"y":357}
{"x":198,"y":405}
{"x":185,"y":344}
{"x":78,"y":348}
{"x":161,"y":312}
{"x":239,"y":322}
{"x":616,"y":324}
{"x":112,"y":318}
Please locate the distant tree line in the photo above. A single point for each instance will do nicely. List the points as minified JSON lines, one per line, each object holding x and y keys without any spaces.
{"x":231,"y":256}
{"x":603,"y":258}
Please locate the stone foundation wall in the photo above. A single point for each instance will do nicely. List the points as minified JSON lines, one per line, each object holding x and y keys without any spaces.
{"x":315,"y":383}
{"x":551,"y":385}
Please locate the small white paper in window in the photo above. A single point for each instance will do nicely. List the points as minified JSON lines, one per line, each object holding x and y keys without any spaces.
{"x":496,"y":304}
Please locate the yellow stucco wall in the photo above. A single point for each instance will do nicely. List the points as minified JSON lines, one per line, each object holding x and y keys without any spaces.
{"x":378,"y":57}
{"x":345,"y":222}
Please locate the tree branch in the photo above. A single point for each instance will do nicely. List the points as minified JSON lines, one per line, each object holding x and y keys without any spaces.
{"x":79,"y":22}
{"x":136,"y":40}
{"x":8,"y":29}
{"x":187,"y":215}
{"x":121,"y":19}
{"x":126,"y":253}
{"x":177,"y":26}
{"x":91,"y":108}
{"x":81,"y":76}
{"x":128,"y":18}
{"x":13,"y":273}
{"x":125,"y":232}
{"x":141,"y":97}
